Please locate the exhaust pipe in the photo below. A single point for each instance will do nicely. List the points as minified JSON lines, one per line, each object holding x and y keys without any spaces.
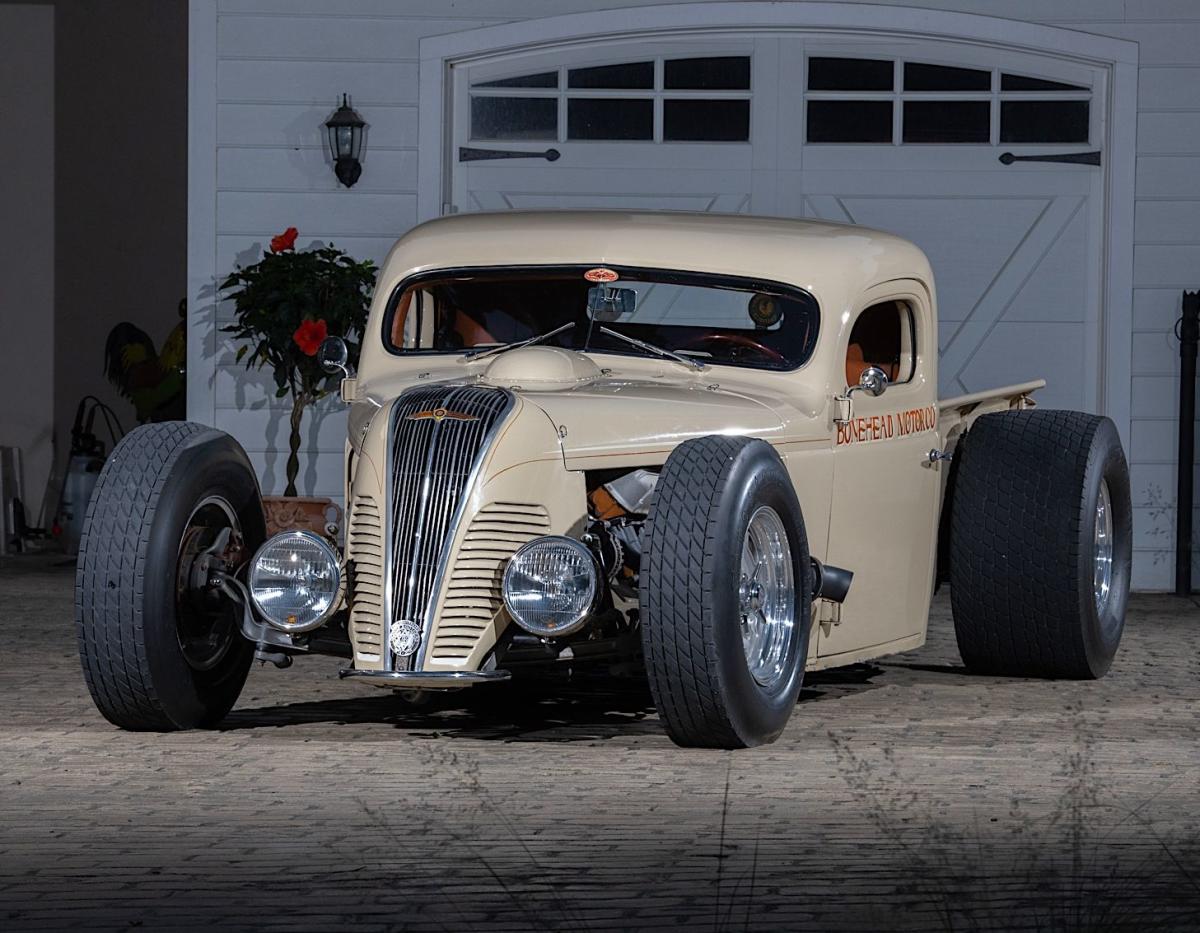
{"x":829,"y":582}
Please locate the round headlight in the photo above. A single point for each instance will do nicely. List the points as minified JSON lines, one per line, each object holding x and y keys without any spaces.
{"x":295,"y":581}
{"x":551,"y":586}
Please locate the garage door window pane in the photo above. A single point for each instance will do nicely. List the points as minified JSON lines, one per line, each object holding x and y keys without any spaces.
{"x":946,"y":121}
{"x":849,"y":121}
{"x":698,"y":120}
{"x":919,"y":77}
{"x":1044,"y":121}
{"x":850,"y":74}
{"x":600,"y":118}
{"x":514,"y":118}
{"x":541,"y":79}
{"x":729,"y":73}
{"x":1023,"y":83}
{"x":618,"y":77}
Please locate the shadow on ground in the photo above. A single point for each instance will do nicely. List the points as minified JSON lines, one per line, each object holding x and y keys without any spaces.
{"x":532,"y":712}
{"x":538,"y":710}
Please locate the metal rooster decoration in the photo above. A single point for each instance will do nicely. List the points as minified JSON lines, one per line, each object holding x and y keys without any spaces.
{"x":155,"y":382}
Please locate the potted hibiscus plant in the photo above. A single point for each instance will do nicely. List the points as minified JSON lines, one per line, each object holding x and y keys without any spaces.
{"x":286,"y":304}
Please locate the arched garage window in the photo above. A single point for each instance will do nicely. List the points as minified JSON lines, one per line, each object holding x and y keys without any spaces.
{"x":867,"y":100}
{"x":682,"y":100}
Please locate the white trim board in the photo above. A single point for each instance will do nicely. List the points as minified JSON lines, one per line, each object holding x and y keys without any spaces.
{"x":202,"y":211}
{"x":1119,"y":57}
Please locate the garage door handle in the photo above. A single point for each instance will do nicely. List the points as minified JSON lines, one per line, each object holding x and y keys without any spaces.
{"x":1076,"y":158}
{"x":467,"y":154}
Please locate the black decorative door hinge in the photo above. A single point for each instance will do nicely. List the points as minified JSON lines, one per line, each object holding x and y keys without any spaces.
{"x":467,"y":154}
{"x":1075,"y":158}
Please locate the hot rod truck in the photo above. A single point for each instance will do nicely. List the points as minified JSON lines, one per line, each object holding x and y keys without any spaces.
{"x":708,"y":447}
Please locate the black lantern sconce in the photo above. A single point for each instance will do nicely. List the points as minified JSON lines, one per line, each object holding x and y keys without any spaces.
{"x":345,"y":130}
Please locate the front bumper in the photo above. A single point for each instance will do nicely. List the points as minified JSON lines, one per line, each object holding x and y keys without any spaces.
{"x":445,"y":679}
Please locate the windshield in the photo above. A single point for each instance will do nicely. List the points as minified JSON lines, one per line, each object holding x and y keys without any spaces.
{"x":706,"y":318}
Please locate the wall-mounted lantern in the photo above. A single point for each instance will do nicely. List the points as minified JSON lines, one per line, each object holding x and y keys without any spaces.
{"x":345,"y":131}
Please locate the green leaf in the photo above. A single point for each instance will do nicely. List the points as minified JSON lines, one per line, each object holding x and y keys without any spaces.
{"x":283,"y":390}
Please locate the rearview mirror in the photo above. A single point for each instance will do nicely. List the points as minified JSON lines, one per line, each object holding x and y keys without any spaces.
{"x":606,"y":303}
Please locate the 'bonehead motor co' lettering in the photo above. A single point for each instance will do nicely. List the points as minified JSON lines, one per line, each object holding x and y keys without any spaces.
{"x":883,"y":427}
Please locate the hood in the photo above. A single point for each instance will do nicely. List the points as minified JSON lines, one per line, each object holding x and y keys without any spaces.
{"x":610,"y":417}
{"x":601,"y":414}
{"x":616,"y":411}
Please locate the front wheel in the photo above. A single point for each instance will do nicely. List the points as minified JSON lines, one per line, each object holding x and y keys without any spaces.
{"x":725,"y":594}
{"x":161,"y":648}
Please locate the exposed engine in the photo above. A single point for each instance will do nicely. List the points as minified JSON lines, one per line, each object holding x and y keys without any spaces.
{"x":618,"y":506}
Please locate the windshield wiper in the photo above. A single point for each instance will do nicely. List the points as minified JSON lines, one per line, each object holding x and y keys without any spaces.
{"x":677,"y":357}
{"x":503,"y":348}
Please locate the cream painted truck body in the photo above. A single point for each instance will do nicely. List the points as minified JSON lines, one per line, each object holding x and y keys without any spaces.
{"x":869,"y":472}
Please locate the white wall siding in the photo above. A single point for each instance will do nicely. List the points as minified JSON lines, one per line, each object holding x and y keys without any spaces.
{"x":280,"y":64}
{"x":1166,"y":260}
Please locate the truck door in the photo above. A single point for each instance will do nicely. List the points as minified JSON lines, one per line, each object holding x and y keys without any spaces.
{"x":884,"y":508}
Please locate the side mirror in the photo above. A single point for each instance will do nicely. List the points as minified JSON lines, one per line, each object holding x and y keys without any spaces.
{"x":334,"y":356}
{"x":873,"y":381}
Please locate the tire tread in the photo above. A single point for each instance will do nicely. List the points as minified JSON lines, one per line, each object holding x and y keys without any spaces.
{"x":680,"y":650}
{"x":1015,"y":546}
{"x":110,"y":576}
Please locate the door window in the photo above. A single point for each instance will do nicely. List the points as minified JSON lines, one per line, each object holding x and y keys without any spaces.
{"x":883,"y":336}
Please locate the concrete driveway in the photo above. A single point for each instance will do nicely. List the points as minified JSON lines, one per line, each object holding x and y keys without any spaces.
{"x":903,"y":795}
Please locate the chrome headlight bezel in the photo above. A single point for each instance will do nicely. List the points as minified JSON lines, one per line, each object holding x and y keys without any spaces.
{"x":584,"y":605}
{"x":333,"y":564}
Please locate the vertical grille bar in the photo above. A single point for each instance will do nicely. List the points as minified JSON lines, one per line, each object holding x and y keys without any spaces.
{"x":438,"y":437}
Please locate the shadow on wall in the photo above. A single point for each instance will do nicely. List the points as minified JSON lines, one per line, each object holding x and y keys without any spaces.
{"x":233,"y":386}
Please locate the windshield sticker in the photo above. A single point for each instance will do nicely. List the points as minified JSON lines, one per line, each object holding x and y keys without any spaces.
{"x":884,"y":427}
{"x":601,"y":274}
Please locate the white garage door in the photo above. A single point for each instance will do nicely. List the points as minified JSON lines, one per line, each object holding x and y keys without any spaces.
{"x":903,"y":135}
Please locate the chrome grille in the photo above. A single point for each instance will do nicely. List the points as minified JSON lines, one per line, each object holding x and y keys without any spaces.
{"x":473,"y":587}
{"x":365,"y":590}
{"x":438,"y":437}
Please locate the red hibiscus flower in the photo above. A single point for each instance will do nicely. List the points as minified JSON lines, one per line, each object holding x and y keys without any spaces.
{"x":285,"y":241}
{"x":309,"y":335}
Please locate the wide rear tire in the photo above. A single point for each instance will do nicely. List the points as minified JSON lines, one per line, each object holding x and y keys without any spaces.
{"x":1040,"y":498}
{"x":158,"y":652}
{"x":723,"y":676}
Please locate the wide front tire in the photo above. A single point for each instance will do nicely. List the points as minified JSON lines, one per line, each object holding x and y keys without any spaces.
{"x":725,"y":594}
{"x":1041,"y":544}
{"x":160,"y":650}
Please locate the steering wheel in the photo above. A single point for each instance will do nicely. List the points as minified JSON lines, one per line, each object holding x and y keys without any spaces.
{"x":735,"y":342}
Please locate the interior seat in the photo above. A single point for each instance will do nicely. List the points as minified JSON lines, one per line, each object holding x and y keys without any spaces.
{"x":876,"y":340}
{"x":856,"y":365}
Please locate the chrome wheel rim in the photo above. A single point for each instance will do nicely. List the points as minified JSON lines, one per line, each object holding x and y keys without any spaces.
{"x":767,"y":598}
{"x":1103,"y":549}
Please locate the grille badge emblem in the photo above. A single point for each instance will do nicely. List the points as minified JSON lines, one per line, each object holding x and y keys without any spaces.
{"x":404,"y":638}
{"x":441,"y":414}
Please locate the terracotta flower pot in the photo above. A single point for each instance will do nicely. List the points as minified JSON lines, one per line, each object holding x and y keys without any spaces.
{"x":309,"y":513}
